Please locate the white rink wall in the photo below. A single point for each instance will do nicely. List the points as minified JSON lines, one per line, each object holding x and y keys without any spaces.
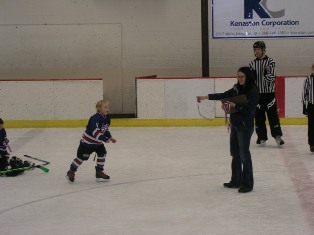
{"x":175,"y":97}
{"x":172,"y":98}
{"x":293,"y":96}
{"x":159,"y":98}
{"x":49,"y":99}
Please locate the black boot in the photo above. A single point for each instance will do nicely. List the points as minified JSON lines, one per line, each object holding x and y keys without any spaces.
{"x":244,"y":190}
{"x":230,"y":185}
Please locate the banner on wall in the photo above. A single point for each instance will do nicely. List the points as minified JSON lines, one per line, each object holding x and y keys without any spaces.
{"x":262,"y":18}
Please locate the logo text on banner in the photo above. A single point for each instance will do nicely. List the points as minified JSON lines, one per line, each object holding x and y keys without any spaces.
{"x":261,"y":19}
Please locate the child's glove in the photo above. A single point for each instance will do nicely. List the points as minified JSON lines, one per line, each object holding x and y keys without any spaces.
{"x":113,"y":140}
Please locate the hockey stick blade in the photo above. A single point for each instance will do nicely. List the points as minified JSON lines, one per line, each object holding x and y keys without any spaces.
{"x":42,"y":168}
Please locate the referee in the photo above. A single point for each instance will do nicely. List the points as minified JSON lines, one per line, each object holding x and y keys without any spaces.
{"x":265,"y":72}
{"x":308,"y":106}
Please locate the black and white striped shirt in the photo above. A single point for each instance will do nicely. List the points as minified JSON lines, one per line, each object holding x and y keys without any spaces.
{"x":308,"y":90}
{"x":265,"y":72}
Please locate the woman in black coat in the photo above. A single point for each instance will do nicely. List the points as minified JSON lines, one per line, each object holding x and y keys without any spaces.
{"x":242,"y":127}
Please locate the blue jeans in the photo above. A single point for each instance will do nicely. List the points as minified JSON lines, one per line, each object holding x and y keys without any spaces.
{"x":241,"y":166}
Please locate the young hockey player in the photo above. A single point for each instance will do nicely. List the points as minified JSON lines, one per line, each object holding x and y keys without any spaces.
{"x":92,"y":140}
{"x":4,"y":155}
{"x":7,"y":163}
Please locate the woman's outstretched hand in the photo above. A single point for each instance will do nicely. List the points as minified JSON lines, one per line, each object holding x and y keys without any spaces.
{"x":200,"y":98}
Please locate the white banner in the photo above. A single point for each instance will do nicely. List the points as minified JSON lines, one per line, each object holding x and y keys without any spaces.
{"x":262,"y":18}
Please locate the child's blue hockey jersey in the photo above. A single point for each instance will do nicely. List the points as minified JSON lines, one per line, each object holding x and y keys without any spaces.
{"x":96,"y":130}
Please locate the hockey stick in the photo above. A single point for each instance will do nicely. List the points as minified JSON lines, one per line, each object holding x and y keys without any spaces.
{"x":9,"y":148}
{"x":46,"y":163}
{"x":199,"y":111}
{"x":25,"y":168}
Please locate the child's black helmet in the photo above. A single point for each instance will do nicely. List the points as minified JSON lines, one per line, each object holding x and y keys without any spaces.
{"x":1,"y":121}
{"x":260,"y":44}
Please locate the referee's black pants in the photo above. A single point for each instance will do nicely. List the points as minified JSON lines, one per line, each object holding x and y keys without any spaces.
{"x":310,"y":116}
{"x":267,"y":105}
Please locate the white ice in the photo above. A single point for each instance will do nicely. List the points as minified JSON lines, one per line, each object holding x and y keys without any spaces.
{"x":163,"y":181}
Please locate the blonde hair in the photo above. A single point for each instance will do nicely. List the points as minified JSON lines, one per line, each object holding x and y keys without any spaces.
{"x":312,"y":66}
{"x":99,"y":103}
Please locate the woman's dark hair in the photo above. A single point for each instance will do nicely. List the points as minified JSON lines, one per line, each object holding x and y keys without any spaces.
{"x":250,"y":78}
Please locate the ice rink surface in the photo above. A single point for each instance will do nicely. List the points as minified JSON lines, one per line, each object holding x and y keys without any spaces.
{"x":164,"y":181}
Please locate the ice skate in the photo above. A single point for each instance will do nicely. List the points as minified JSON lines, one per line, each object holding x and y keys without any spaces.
{"x":70,"y":176}
{"x":101,"y":176}
{"x":261,"y":142}
{"x":279,"y":141}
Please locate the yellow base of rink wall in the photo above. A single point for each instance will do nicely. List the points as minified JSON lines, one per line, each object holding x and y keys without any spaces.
{"x":134,"y":122}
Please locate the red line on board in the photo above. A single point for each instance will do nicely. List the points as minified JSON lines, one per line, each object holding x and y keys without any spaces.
{"x":280,"y":96}
{"x":53,"y":79}
{"x":178,"y":78}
